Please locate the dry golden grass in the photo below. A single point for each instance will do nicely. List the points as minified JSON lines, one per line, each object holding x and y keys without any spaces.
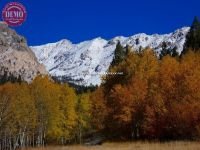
{"x":132,"y":146}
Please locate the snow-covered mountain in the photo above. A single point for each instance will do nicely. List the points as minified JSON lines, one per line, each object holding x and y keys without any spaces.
{"x":84,"y":63}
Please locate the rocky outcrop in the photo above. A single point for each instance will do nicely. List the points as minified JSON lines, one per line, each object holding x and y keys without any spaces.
{"x":16,"y":58}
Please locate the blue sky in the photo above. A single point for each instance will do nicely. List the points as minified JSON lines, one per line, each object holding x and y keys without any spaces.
{"x":79,"y":20}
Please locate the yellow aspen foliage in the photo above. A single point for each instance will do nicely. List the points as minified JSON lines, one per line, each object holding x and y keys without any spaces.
{"x":67,"y":101}
{"x":24,"y":111}
{"x":83,"y":109}
{"x":6,"y":112}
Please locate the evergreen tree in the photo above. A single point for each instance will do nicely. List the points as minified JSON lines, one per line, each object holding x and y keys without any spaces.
{"x":3,"y":77}
{"x":128,"y":50}
{"x":174,"y":52}
{"x":7,"y":76}
{"x":119,"y":54}
{"x":168,"y":51}
{"x":193,"y":37}
{"x":164,"y":51}
{"x":19,"y":79}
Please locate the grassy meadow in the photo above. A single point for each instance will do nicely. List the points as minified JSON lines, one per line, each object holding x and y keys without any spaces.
{"x":132,"y":146}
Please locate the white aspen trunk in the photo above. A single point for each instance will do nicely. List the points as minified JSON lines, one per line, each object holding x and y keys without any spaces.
{"x":43,"y":138}
{"x":80,"y":135}
{"x":22,"y":138}
{"x":33,"y":140}
{"x":16,"y":142}
{"x":5,"y":138}
{"x":10,"y":141}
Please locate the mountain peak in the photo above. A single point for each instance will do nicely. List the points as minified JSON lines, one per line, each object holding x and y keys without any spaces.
{"x":64,"y":42}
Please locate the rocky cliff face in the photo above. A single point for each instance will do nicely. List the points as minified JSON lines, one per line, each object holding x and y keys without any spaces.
{"x":16,"y":58}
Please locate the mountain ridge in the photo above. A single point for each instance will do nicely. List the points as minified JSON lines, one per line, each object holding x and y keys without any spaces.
{"x":84,"y":63}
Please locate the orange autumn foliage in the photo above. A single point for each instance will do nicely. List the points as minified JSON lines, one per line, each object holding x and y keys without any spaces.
{"x":154,"y":99}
